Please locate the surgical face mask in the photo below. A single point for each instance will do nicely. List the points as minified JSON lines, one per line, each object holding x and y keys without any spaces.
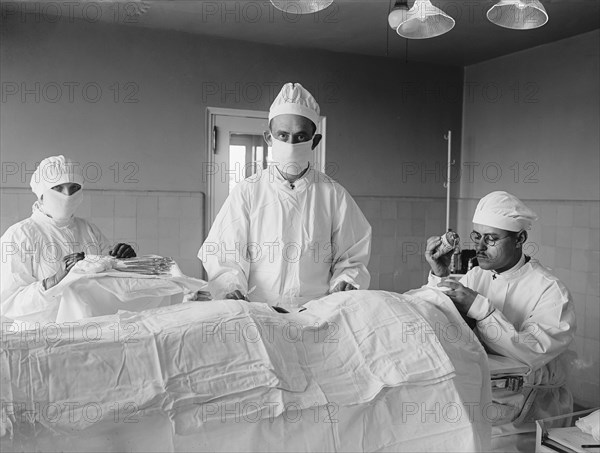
{"x":60,"y":206}
{"x":292,"y":158}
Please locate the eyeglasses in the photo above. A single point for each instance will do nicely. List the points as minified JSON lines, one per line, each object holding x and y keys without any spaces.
{"x":488,"y":239}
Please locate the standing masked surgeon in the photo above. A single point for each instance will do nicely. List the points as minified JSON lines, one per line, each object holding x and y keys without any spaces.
{"x":290,"y":231}
{"x":38,"y":252}
{"x":520,"y":309}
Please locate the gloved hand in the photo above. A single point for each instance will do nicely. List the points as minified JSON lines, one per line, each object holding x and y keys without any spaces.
{"x":122,"y":251}
{"x":235,"y":295}
{"x":201,"y":296}
{"x":343,"y":286}
{"x":66,"y":264}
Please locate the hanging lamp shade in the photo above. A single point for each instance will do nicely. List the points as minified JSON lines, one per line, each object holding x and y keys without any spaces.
{"x":301,"y":6}
{"x":421,"y":21}
{"x":518,"y":14}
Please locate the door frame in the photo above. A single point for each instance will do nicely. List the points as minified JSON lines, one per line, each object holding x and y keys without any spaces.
{"x":211,"y":114}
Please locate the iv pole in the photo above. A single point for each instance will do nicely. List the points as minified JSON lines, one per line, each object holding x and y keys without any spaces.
{"x":448,"y":137}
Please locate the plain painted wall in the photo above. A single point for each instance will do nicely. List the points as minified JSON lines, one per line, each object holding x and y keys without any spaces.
{"x":531,"y":122}
{"x":383,"y":116}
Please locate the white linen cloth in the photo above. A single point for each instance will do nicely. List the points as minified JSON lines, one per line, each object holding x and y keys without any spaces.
{"x":228,"y":375}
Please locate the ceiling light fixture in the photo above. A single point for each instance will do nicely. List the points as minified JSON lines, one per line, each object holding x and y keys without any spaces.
{"x":421,"y":21}
{"x":518,"y":14}
{"x":301,"y":6}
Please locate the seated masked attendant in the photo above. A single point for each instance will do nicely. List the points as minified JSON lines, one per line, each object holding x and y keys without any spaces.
{"x":290,"y":231}
{"x":38,"y":252}
{"x":520,"y":309}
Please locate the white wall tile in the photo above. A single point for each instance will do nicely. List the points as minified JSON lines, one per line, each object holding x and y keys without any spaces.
{"x":388,"y":209}
{"x":374,"y":264}
{"x":388,"y":245}
{"x":581,"y":216}
{"x":580,"y":238}
{"x":592,"y":307}
{"x":147,"y":247}
{"x":578,"y":281}
{"x":375,"y":245}
{"x":9,"y":205}
{"x":403,"y":228}
{"x":169,"y":247}
{"x":564,"y":216}
{"x":591,"y":329}
{"x":25,"y":203}
{"x":169,"y":207}
{"x":190,"y":266}
{"x":548,"y":235}
{"x":191,"y":207}
{"x":102,"y":205}
{"x":546,"y":256}
{"x":388,"y":228}
{"x":372,"y":208}
{"x":548,"y":215}
{"x":563,"y":257}
{"x":595,"y":217}
{"x":404,"y":210}
{"x":595,"y":239}
{"x":85,"y":209}
{"x":191,"y":239}
{"x":386,"y":281}
{"x":564,"y":236}
{"x":580,"y":260}
{"x":168,"y":228}
{"x":106,"y":225}
{"x":147,"y":207}
{"x":417,"y":226}
{"x":386,"y":264}
{"x":374,"y":281}
{"x":125,"y":227}
{"x":593,"y":285}
{"x":125,"y":206}
{"x":147,"y":228}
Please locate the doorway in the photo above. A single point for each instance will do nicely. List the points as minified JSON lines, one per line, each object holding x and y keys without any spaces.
{"x":236,"y":149}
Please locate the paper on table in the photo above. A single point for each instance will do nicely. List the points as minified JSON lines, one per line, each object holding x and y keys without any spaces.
{"x":573,"y":438}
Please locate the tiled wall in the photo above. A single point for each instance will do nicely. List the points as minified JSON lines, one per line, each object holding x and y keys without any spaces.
{"x":401,"y":227}
{"x":162,"y":223}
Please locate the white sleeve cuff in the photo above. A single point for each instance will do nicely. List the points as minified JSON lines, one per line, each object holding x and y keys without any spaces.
{"x":433,"y":280}
{"x":342,"y":278}
{"x":480,"y":309}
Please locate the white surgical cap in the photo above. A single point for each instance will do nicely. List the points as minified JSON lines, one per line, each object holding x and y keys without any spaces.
{"x":53,"y":171}
{"x":295,"y":100}
{"x":505,"y":211}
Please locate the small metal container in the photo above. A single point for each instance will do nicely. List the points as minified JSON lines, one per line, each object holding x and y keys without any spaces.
{"x":449,"y":242}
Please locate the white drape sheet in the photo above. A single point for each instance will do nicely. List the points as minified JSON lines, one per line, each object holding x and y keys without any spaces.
{"x":357,"y":371}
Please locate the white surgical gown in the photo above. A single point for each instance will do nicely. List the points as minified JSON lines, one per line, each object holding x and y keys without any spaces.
{"x":32,"y":250}
{"x":292,"y":242}
{"x":527,"y":314}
